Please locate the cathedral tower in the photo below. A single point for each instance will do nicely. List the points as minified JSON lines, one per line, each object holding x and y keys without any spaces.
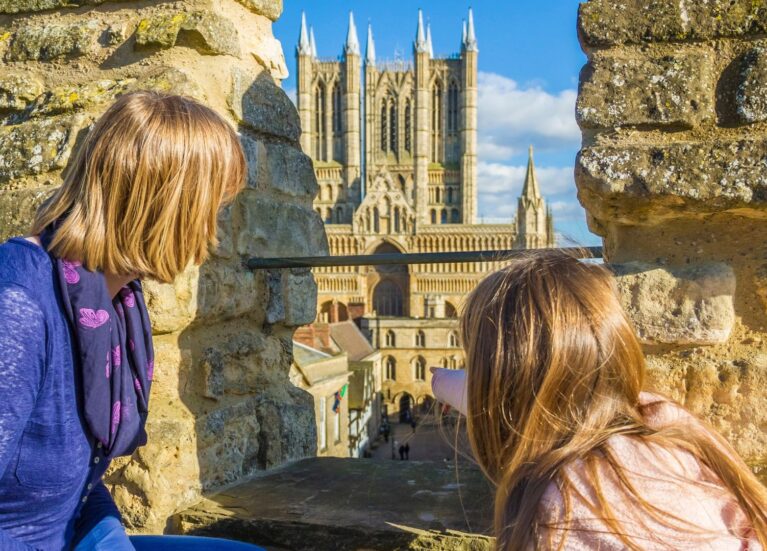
{"x":328,"y":101}
{"x":535,"y":229}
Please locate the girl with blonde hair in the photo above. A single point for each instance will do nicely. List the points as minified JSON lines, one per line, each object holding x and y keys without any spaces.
{"x":557,"y":419}
{"x":140,"y":200}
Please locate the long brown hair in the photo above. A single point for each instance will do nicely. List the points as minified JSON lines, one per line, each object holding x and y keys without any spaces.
{"x":143,"y":193}
{"x":554,"y":370}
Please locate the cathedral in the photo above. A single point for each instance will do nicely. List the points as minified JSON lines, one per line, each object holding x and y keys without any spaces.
{"x":394,"y":145}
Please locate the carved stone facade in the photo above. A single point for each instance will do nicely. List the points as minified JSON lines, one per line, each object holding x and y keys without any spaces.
{"x":419,"y":170}
{"x":672,"y":175}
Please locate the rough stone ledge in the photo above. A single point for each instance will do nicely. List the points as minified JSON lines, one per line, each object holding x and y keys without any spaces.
{"x":636,"y":184}
{"x":692,"y":305}
{"x":609,"y":23}
{"x":668,"y":90}
{"x":350,"y":504}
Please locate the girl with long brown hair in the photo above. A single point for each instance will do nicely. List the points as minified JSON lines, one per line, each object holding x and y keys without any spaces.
{"x":557,"y":419}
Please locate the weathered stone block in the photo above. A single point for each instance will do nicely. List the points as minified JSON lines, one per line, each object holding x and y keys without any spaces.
{"x":684,"y":306}
{"x":17,"y":208}
{"x":637,"y":184}
{"x":53,"y":41}
{"x":78,"y":97}
{"x":228,"y":444}
{"x":277,"y":228}
{"x":288,"y":430}
{"x":29,"y":6}
{"x":36,"y":147}
{"x":172,"y":306}
{"x":281,"y":167}
{"x":18,"y":89}
{"x":263,"y":106}
{"x":268,"y":8}
{"x":751,"y":93}
{"x":607,"y":23}
{"x":205,"y":31}
{"x":670,"y":90}
{"x":292,"y":297}
{"x":227,"y":291}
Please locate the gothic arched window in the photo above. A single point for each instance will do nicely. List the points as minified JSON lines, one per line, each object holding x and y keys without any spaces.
{"x":452,"y":340}
{"x":376,"y":220}
{"x":452,"y":108}
{"x":419,"y":369}
{"x":319,"y":122}
{"x":455,"y":216}
{"x":339,"y":215}
{"x":384,"y":127}
{"x":408,"y":127}
{"x":436,"y":124}
{"x":391,"y":339}
{"x":391,"y":369}
{"x":433,"y":216}
{"x":337,"y":113}
{"x":387,"y":299}
{"x":443,"y":217}
{"x":393,"y":125}
{"x":420,"y":339}
{"x":449,"y":195}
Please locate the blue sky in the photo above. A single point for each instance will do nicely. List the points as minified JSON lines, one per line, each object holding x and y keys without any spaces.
{"x":529,"y":60}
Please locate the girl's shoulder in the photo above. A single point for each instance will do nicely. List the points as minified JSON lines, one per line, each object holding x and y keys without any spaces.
{"x":25,"y":264}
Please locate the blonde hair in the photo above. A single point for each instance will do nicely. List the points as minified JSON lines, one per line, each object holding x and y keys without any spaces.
{"x":554,"y":369}
{"x":143,"y":193}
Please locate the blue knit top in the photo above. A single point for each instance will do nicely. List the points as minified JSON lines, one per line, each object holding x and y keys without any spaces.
{"x":51,"y":492}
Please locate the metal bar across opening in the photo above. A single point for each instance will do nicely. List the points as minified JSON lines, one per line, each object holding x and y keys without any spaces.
{"x":405,"y":258}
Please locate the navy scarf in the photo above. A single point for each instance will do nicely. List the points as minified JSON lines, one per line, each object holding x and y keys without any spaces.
{"x":114,"y":342}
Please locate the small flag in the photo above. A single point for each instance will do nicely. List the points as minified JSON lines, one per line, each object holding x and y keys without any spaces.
{"x":339,"y":395}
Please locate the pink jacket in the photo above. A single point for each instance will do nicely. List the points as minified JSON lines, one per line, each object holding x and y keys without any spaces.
{"x":673,"y":480}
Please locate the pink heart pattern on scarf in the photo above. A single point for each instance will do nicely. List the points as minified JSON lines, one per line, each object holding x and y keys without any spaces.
{"x":70,"y":271}
{"x":93,"y":319}
{"x":128,"y":296}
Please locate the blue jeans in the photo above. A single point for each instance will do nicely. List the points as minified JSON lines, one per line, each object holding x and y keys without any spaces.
{"x":109,"y":535}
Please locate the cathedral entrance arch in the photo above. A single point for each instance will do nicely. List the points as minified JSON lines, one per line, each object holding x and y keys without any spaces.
{"x":389,"y":285}
{"x":406,"y":404}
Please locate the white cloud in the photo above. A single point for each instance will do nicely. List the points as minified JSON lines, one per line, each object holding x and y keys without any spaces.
{"x":512,"y":117}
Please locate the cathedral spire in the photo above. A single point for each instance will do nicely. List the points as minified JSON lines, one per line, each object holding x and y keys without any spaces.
{"x":531,"y":191}
{"x":370,"y":49}
{"x":471,"y":36}
{"x":304,"y":47}
{"x":352,"y":42}
{"x":312,"y":43}
{"x":429,"y":47}
{"x":420,"y":37}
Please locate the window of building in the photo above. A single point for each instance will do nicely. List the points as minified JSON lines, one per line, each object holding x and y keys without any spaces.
{"x":455,"y":216}
{"x":337,"y":426}
{"x":390,"y":366}
{"x":323,"y":428}
{"x":408,"y":127}
{"x":393,"y":125}
{"x":376,"y":220}
{"x":420,"y":339}
{"x":419,"y":369}
{"x":443,"y":217}
{"x":433,"y":216}
{"x":436,"y":124}
{"x":449,"y":195}
{"x":319,"y":122}
{"x":438,"y":195}
{"x":339,"y":215}
{"x":384,"y":127}
{"x":387,"y":299}
{"x":337,"y":112}
{"x":452,"y":108}
{"x":452,"y":339}
{"x":391,"y":339}
{"x":396,"y":220}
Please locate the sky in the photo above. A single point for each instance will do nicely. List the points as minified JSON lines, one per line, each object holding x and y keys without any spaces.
{"x":529,"y":60}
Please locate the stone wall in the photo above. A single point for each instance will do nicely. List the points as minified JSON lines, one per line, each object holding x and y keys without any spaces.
{"x":222,"y":406}
{"x":673,"y":174}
